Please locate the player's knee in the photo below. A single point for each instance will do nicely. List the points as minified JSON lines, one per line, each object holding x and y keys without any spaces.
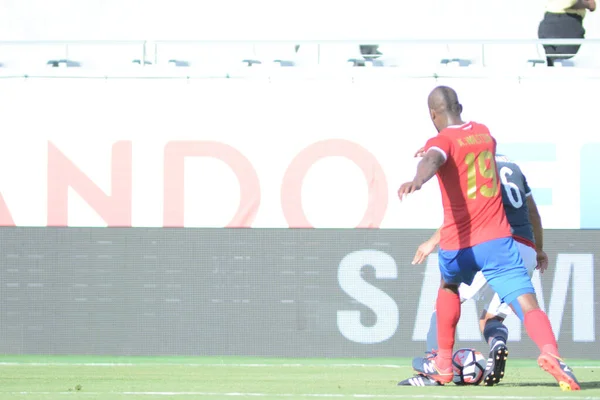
{"x":449,"y":287}
{"x":528,"y":302}
{"x":523,"y":304}
{"x":487,"y":317}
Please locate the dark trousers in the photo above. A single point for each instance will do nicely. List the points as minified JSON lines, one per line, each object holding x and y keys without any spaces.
{"x":561,"y":26}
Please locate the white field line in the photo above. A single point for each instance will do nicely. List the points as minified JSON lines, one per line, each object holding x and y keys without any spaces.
{"x":299,"y":395}
{"x":298,"y":365}
{"x":66,"y":364}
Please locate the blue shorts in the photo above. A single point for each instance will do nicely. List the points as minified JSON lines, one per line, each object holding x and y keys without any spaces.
{"x":500,"y":262}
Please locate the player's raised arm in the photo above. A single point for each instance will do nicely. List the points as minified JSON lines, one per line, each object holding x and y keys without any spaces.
{"x":429,"y":165}
{"x":427,"y":168}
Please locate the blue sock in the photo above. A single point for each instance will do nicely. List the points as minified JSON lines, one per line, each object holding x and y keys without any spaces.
{"x":495,"y":330}
{"x":432,"y":343}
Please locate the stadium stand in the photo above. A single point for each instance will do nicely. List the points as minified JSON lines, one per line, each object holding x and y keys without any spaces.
{"x":124,"y":36}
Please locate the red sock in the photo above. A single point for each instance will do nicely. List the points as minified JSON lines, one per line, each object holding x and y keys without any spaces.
{"x":448,"y":314}
{"x":539,"y":330}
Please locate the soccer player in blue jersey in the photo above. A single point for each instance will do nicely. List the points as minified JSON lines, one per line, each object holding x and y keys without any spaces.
{"x":524,"y":219}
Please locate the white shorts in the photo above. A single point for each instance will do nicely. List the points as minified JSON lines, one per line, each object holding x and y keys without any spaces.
{"x":480,"y":291}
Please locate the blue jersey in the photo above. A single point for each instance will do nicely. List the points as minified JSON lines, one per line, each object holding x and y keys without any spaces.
{"x":515,"y":191}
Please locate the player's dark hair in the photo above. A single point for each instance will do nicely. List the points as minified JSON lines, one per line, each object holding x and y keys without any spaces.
{"x":444,"y":99}
{"x":450,"y":100}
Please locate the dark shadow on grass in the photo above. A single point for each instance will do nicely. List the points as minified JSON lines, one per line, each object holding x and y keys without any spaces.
{"x":528,"y":384}
{"x":584,"y":385}
{"x":590,"y":385}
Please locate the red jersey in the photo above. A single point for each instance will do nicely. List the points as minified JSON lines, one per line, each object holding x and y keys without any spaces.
{"x":471,"y":193}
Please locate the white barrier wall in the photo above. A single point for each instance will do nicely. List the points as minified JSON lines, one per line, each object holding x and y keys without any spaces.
{"x":272,"y":19}
{"x":225,"y":152}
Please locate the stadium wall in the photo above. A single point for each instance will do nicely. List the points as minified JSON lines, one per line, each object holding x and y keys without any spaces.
{"x":283,"y":152}
{"x":278,"y":153}
{"x":259,"y":292}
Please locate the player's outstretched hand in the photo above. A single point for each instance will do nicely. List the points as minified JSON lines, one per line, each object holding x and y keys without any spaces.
{"x":408,"y":188}
{"x":424,"y":250}
{"x":542,"y":261}
{"x":420,"y":152}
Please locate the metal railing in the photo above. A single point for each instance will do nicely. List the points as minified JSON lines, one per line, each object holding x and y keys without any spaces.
{"x":481,"y":43}
{"x":149,"y":52}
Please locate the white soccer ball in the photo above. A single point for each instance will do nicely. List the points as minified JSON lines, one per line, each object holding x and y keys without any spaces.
{"x":468,"y":366}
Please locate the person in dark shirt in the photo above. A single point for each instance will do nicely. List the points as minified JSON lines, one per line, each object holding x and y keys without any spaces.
{"x":563,"y":20}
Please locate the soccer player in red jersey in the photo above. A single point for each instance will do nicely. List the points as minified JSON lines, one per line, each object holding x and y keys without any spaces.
{"x":526,"y":225}
{"x":476,"y":236}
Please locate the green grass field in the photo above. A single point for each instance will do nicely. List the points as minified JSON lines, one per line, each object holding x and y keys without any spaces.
{"x":108,"y":378}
